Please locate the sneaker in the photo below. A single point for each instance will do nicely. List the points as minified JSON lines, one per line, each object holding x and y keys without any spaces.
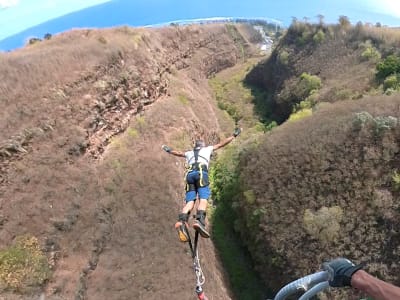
{"x":201,"y":228}
{"x":182,"y":230}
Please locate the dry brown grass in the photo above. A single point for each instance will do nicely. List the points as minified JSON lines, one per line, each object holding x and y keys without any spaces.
{"x":324,"y":161}
{"x":110,"y":218}
{"x":385,"y":35}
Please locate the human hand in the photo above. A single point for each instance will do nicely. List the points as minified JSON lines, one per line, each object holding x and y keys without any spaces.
{"x":340,"y":271}
{"x":166,"y":148}
{"x":236,"y":132}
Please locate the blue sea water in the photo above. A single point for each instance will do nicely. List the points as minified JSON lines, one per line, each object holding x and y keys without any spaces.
{"x":142,"y":13}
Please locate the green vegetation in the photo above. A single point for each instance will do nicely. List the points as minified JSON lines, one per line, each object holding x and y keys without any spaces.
{"x":309,"y":83}
{"x":306,"y":184}
{"x":323,"y":224}
{"x":132,"y":132}
{"x":319,"y":37}
{"x":396,"y":180}
{"x":378,"y":125}
{"x":300,"y":114}
{"x":361,"y":119}
{"x":23,"y":265}
{"x":392,"y":82}
{"x":344,"y":22}
{"x":236,"y":260}
{"x":283,"y":57}
{"x":370,"y":53}
{"x":241,"y":101}
{"x":302,"y":96}
{"x":389,"y":66}
{"x":382,"y":124}
{"x":221,"y":90}
{"x":183,"y":99}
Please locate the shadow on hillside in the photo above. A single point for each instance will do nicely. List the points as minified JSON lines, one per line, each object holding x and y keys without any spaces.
{"x":264,"y":105}
{"x":245,"y":282}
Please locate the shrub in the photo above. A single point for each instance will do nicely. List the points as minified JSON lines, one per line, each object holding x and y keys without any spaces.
{"x":391,"y":82}
{"x":310,"y":82}
{"x":371,"y":53}
{"x":396,"y":180}
{"x":304,"y":38}
{"x":102,"y":40}
{"x":323,"y":224}
{"x":377,"y":124}
{"x":302,"y":113}
{"x":319,"y":37}
{"x":390,"y":65}
{"x":283,"y":57}
{"x":264,"y":126}
{"x":34,"y":40}
{"x":384,"y":123}
{"x":249,"y":196}
{"x":390,"y":91}
{"x":361,"y":119}
{"x":344,"y":22}
{"x":23,"y":265}
{"x":231,"y":109}
{"x":305,"y":104}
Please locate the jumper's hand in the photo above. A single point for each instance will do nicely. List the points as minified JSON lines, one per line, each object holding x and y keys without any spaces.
{"x":236,"y":132}
{"x":341,"y":270}
{"x":166,"y":148}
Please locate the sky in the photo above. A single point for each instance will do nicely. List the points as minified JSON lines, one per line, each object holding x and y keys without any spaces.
{"x":21,"y":19}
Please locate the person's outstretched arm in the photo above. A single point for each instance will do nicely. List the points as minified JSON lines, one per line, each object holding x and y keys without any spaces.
{"x":228,"y":139}
{"x":344,"y":272}
{"x":374,"y":287}
{"x":173,"y":152}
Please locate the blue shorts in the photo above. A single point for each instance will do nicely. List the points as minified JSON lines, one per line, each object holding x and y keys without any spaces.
{"x":195,"y":182}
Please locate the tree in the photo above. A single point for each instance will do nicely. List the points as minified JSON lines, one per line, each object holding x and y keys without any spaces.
{"x":321,"y":19}
{"x":390,"y":65}
{"x":47,"y":36}
{"x":344,"y":21}
{"x":34,"y":40}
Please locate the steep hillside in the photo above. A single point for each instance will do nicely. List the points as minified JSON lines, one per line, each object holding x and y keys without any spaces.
{"x":84,"y":184}
{"x":325,"y":183}
{"x":342,"y":57}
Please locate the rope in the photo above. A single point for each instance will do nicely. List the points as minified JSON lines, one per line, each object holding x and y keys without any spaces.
{"x":200,"y":279}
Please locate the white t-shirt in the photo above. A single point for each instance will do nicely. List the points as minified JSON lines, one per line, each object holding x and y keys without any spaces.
{"x":203,"y":158}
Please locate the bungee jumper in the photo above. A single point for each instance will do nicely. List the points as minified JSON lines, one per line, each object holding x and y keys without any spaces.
{"x":197,"y":187}
{"x":197,"y":184}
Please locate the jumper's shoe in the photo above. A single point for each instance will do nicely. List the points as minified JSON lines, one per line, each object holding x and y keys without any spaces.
{"x":181,"y":228}
{"x":201,"y":228}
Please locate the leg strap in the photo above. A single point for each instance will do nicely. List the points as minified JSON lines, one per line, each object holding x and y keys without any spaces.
{"x":201,"y":216}
{"x":183,"y":217}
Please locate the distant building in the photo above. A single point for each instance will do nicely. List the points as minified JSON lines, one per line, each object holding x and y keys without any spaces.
{"x":267,"y":41}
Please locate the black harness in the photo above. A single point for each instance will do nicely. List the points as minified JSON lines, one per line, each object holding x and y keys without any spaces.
{"x":196,"y":165}
{"x":199,"y":167}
